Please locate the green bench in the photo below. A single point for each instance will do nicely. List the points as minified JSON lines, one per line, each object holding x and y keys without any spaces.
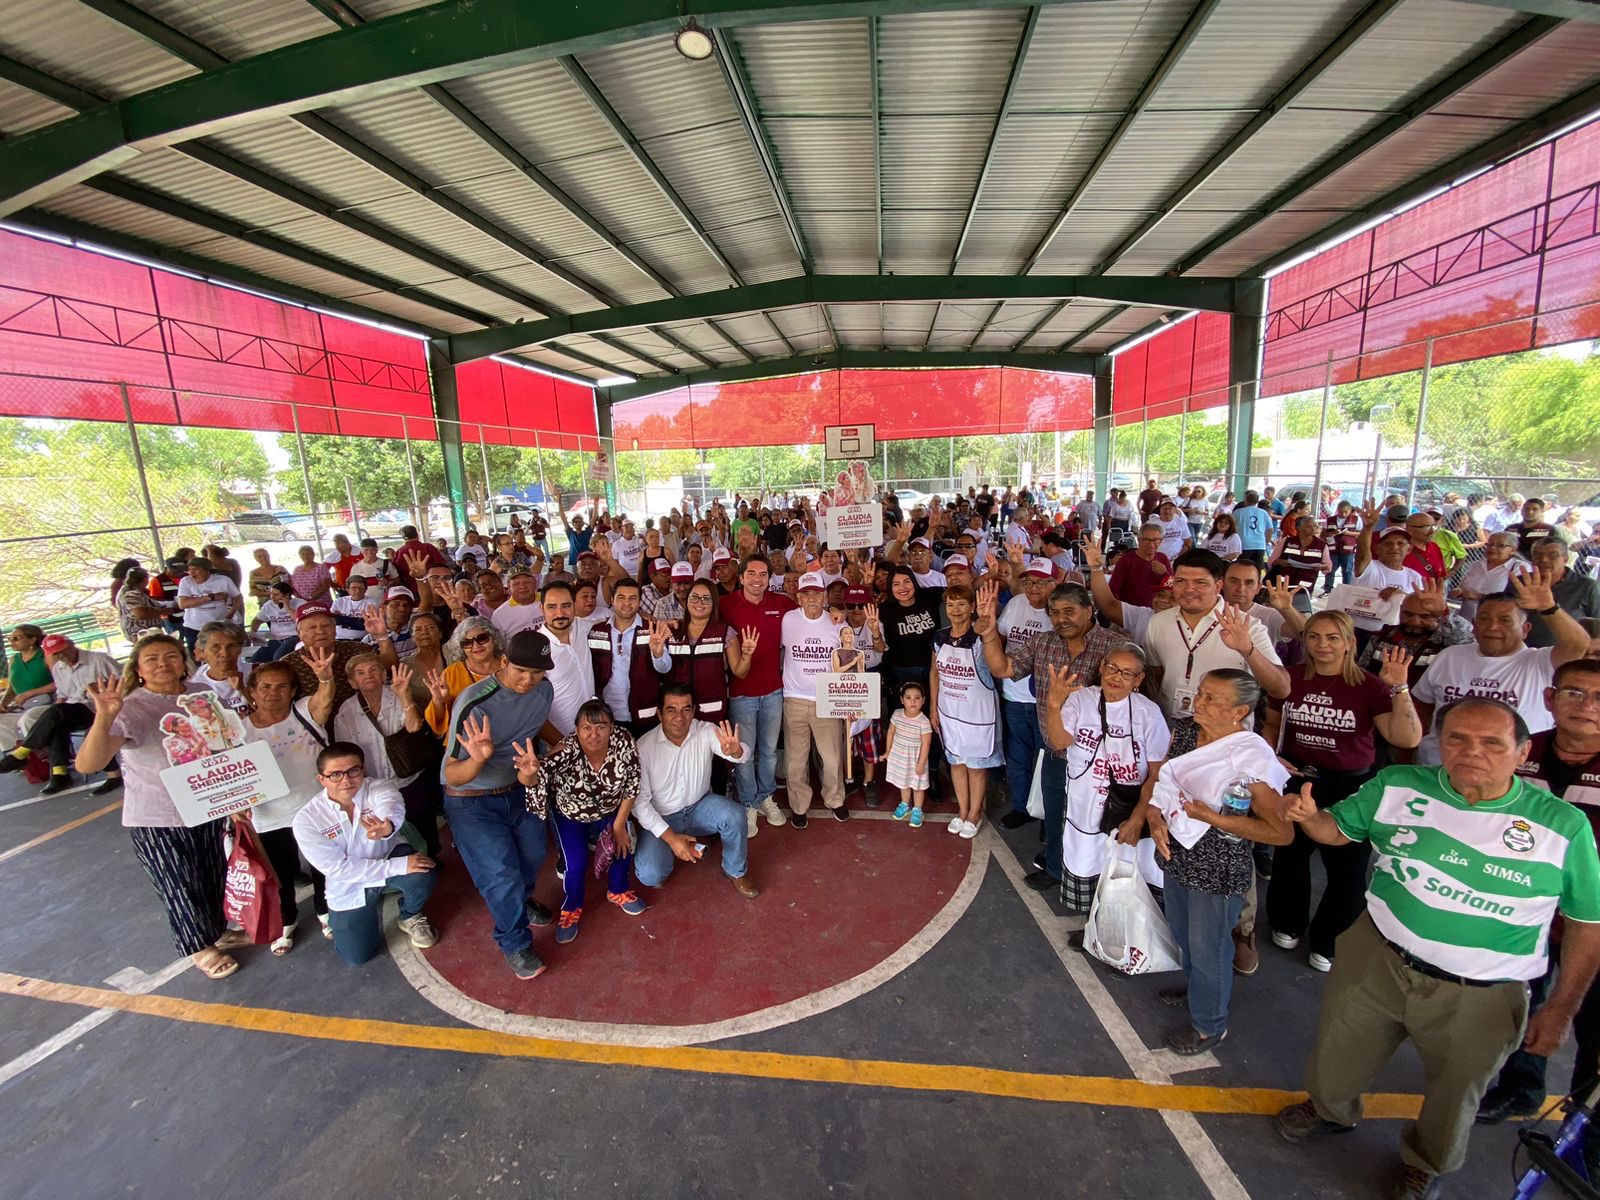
{"x":83,"y":627}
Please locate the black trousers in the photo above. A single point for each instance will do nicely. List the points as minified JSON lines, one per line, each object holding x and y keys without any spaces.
{"x":1345,"y":897}
{"x":53,"y":731}
{"x":284,"y":855}
{"x":1523,"y":1075}
{"x":187,"y":868}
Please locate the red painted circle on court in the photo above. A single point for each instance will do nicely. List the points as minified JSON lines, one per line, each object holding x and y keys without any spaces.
{"x":836,"y":899}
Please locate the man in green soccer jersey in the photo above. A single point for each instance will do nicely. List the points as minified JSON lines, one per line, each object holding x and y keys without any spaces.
{"x":1472,"y":864}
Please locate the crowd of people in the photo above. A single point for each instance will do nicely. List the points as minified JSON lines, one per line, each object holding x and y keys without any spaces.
{"x":1162,"y":673}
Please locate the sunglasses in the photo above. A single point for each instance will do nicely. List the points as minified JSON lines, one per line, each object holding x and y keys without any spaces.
{"x":478,"y":639}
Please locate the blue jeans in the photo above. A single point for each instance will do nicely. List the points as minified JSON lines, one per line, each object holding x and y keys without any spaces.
{"x":574,"y":837}
{"x":654,"y":860}
{"x":760,"y":720}
{"x":1203,"y":925}
{"x":1022,"y":747}
{"x":503,"y":845}
{"x":358,"y":932}
{"x":1344,"y":566}
{"x":1053,"y":782}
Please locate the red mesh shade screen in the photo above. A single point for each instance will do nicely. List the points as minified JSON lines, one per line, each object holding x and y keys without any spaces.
{"x":901,"y":404}
{"x":1188,"y":362}
{"x":1508,"y":261}
{"x":519,"y":407}
{"x":193,"y":353}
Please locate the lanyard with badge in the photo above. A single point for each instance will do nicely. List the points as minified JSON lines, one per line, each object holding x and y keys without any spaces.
{"x":1183,"y":697}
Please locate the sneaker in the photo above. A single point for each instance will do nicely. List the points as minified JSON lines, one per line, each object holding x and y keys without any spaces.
{"x":1041,"y":880}
{"x":1245,"y":959}
{"x":58,"y":783}
{"x":841,"y":813}
{"x":1189,"y":1041}
{"x":902,"y":811}
{"x":774,"y":815}
{"x":1299,"y":1122}
{"x":525,"y":964}
{"x":538,"y":914}
{"x":1038,"y":861}
{"x":969,"y":830}
{"x":567,"y":930}
{"x":916,"y":818}
{"x":419,"y":931}
{"x":749,"y":822}
{"x":1415,"y":1184}
{"x":872,"y":796}
{"x":1016,"y":820}
{"x":1174,"y":997}
{"x":108,"y":785}
{"x":798,"y":820}
{"x":628,"y":902}
{"x":956,"y":826}
{"x":1284,"y":941}
{"x":1321,"y":962}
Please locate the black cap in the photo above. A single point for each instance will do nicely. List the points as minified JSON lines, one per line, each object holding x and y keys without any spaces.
{"x":530,"y":650}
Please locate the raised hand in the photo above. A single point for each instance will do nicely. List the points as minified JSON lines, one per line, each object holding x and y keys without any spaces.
{"x":106,"y":693}
{"x":1014,"y":553}
{"x":872,"y":619}
{"x":438,"y":689}
{"x":1395,"y":665}
{"x":749,"y":639}
{"x":1280,"y":593}
{"x":525,"y":759}
{"x":1299,"y":806}
{"x":1533,"y":590}
{"x":1234,"y":629}
{"x":321,"y":664}
{"x":1370,"y":512}
{"x":660,"y":632}
{"x":416,"y":564}
{"x":728,"y":739}
{"x":988,"y":598}
{"x":372,"y":622}
{"x":1063,"y":682}
{"x":992,"y":561}
{"x":376,"y":829}
{"x":1093,"y":557}
{"x":473,"y":736}
{"x":400,"y":677}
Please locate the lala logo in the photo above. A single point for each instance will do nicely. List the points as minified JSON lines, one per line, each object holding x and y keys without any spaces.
{"x":1454,"y":856}
{"x":1518,"y":836}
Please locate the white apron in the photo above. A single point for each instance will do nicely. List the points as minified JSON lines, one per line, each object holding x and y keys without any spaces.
{"x":969,"y":711}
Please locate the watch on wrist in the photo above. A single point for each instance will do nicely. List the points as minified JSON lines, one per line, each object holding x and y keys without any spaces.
{"x":1399,"y":688}
{"x":1551,"y":611}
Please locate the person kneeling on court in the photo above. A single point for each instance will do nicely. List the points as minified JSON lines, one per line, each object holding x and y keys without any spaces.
{"x":676,"y":803}
{"x":350,"y":831}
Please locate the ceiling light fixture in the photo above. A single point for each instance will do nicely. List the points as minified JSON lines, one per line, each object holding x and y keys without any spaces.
{"x":693,"y":42}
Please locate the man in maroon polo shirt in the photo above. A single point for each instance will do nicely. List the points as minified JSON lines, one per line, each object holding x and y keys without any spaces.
{"x":1138,"y":576}
{"x":756,"y":701}
{"x":1423,"y":556}
{"x":414,"y":545}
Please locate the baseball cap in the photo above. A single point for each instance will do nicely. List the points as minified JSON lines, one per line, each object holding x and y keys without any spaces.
{"x":586,"y":554}
{"x":811,"y":581}
{"x":1394,"y":531}
{"x":957,"y":560}
{"x":315,"y":609}
{"x":400,"y":593}
{"x":1039,"y":569}
{"x":530,"y":650}
{"x":857,"y":595}
{"x":55,"y":643}
{"x":516,"y":571}
{"x":719,"y":555}
{"x":660,"y":564}
{"x":682,"y":570}
{"x":922,"y":541}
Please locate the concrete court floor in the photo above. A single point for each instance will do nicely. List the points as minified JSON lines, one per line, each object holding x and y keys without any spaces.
{"x":216,"y":1091}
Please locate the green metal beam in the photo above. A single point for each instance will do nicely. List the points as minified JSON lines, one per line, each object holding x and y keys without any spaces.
{"x":1211,"y":294}
{"x":876,"y":88}
{"x":426,"y":45}
{"x":1514,"y":140}
{"x":1574,"y":10}
{"x":47,"y":86}
{"x":1425,"y":101}
{"x":1197,"y":18}
{"x":1330,"y":54}
{"x":1072,"y":364}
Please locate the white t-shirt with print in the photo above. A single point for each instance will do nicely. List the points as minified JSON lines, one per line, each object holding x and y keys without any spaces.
{"x":1019,"y":624}
{"x":1456,"y":671}
{"x":808,"y":647}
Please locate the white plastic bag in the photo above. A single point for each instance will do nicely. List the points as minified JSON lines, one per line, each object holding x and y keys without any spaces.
{"x":1036,"y":792}
{"x":1126,"y":928}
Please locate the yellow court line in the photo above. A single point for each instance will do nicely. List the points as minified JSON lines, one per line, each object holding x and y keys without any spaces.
{"x":58,"y":831}
{"x":1100,"y":1091}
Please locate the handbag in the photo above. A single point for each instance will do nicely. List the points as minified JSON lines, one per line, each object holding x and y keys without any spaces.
{"x":409,"y":751}
{"x":250,"y":888}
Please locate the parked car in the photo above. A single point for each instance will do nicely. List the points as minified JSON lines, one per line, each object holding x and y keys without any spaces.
{"x":385,"y":524}
{"x":273,"y":525}
{"x":1431,"y":489}
{"x":909,"y":498}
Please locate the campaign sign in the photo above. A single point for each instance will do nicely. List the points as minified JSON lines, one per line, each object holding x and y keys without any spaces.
{"x":850,"y":696}
{"x":1364,"y":603}
{"x":853,"y":526}
{"x":224,"y":783}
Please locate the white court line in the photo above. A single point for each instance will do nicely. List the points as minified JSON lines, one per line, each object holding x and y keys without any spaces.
{"x":79,"y":790}
{"x":1147,"y":1065}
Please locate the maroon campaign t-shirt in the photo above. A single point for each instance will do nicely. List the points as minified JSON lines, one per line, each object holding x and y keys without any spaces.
{"x":766,"y":617}
{"x":1134,"y":581}
{"x":1327,"y":723}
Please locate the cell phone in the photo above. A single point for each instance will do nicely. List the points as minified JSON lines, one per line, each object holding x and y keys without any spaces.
{"x":699,"y":847}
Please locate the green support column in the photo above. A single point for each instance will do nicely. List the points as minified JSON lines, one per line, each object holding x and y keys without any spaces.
{"x":447,"y":420}
{"x":602,"y":424}
{"x":1244,"y":377}
{"x":1102,"y":427}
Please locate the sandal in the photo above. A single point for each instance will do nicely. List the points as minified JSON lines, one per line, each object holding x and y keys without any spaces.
{"x":213,"y":963}
{"x":232,"y":939}
{"x":285,"y":942}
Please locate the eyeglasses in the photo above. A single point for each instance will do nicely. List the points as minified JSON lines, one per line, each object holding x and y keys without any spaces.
{"x":1578,"y":695}
{"x":1120,"y":672}
{"x":341,"y":776}
{"x":699,"y":599}
{"x":477,"y":639}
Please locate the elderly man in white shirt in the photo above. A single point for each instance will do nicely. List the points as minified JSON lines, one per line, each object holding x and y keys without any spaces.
{"x":50,"y":727}
{"x":350,"y":831}
{"x":675,"y":804}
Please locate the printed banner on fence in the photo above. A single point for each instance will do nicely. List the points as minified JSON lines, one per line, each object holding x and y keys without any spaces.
{"x":224,"y":783}
{"x":853,"y":526}
{"x":849,"y":696}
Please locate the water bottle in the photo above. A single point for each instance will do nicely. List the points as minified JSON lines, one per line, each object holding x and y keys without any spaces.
{"x":1236,"y":803}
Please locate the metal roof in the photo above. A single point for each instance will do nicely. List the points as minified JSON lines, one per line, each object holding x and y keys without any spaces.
{"x":576,"y":164}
